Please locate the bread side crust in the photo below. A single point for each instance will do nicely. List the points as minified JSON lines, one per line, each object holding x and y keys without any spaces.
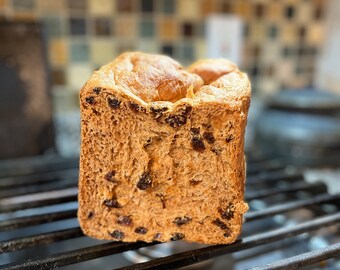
{"x":201,"y":188}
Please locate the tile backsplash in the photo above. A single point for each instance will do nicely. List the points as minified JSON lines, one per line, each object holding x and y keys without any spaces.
{"x":282,"y":38}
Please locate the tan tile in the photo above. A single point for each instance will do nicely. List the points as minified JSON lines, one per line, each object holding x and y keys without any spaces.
{"x":289,"y":34}
{"x":201,"y":48}
{"x":304,"y":13}
{"x":77,"y":75}
{"x":268,"y":86}
{"x":275,"y":11}
{"x":315,"y":34}
{"x":258,"y":32}
{"x":102,"y":51}
{"x":51,"y":5}
{"x":285,"y":71}
{"x":148,"y":46}
{"x":168,"y":29}
{"x":101,"y":7}
{"x":58,"y":53}
{"x":271,"y":52}
{"x":126,"y":26}
{"x":189,"y":9}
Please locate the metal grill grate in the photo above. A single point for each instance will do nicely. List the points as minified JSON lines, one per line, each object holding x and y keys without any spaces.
{"x":38,"y":210}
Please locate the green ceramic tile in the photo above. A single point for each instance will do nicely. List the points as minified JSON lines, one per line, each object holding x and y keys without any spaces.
{"x":53,"y":26}
{"x":77,"y":26}
{"x":273,"y":31}
{"x":168,"y":49}
{"x":147,"y":5}
{"x":147,"y":28}
{"x":23,"y":4}
{"x":126,"y":47}
{"x":79,"y":51}
{"x":167,"y":6}
{"x":187,"y":52}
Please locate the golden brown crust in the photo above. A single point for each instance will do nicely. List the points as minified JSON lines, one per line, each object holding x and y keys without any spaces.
{"x":160,"y":159}
{"x":211,"y":69}
{"x":153,"y":78}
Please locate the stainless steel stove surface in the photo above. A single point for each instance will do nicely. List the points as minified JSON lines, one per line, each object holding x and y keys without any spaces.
{"x":291,"y":224}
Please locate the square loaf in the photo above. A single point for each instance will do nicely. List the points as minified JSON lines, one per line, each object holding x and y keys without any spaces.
{"x":162,"y":152}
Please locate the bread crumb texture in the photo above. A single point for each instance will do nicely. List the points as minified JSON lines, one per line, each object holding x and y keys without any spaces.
{"x":162,"y":152}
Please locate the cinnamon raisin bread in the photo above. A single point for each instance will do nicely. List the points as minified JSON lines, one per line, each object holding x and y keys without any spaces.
{"x":162,"y":152}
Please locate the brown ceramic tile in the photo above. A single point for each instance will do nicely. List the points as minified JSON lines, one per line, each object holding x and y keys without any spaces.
{"x":259,"y":10}
{"x":102,"y":26}
{"x":77,"y":5}
{"x":188,"y":29}
{"x":168,"y":28}
{"x":124,"y":5}
{"x":58,"y":77}
{"x":208,"y":7}
{"x":226,"y":7}
{"x":3,"y":4}
{"x":243,"y":9}
{"x":25,"y":16}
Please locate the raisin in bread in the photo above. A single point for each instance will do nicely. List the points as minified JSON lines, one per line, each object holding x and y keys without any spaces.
{"x":162,"y":152}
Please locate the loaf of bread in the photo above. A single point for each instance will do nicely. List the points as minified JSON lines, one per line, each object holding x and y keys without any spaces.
{"x":162,"y":151}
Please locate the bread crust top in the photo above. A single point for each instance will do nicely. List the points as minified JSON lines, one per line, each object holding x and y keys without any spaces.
{"x":151,"y":78}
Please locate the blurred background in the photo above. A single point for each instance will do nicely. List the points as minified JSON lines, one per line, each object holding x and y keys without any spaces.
{"x":282,"y":45}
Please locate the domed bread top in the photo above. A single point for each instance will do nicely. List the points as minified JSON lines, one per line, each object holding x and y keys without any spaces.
{"x":152,"y":77}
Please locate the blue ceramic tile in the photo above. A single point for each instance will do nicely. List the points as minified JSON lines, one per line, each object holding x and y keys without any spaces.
{"x":79,"y":52}
{"x":147,"y":5}
{"x":52,"y":26}
{"x":273,"y":31}
{"x":288,"y":51}
{"x":200,"y":29}
{"x":289,"y":12}
{"x":187,"y":51}
{"x":23,"y":4}
{"x":77,"y":26}
{"x":102,"y":26}
{"x":167,"y":49}
{"x":147,"y":28}
{"x":168,"y":6}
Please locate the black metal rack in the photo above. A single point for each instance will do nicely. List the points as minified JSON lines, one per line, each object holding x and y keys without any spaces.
{"x":32,"y":190}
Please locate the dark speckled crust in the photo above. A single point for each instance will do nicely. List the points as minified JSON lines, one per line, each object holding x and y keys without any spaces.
{"x":163,"y":163}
